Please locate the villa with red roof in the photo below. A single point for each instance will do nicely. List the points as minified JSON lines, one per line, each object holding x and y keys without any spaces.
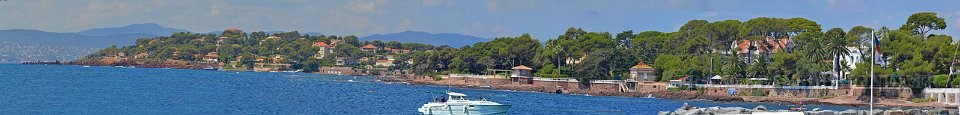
{"x":324,"y":49}
{"x":369,"y":48}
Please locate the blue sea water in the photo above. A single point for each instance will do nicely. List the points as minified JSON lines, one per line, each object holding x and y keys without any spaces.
{"x":58,"y":89}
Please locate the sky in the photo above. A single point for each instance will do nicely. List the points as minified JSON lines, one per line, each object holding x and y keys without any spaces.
{"x":543,"y":19}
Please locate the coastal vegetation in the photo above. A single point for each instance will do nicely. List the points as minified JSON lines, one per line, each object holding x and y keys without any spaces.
{"x":785,"y":51}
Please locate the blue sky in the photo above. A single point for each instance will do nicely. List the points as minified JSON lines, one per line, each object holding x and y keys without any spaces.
{"x":544,"y":19}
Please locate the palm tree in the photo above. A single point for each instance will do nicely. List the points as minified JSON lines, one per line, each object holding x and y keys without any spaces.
{"x":836,"y":47}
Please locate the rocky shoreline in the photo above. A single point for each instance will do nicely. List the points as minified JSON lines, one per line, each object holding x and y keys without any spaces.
{"x":678,"y":95}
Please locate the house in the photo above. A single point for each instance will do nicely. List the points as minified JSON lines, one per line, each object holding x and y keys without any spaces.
{"x":273,"y":37}
{"x":211,"y":57}
{"x":749,"y":51}
{"x":642,"y":72}
{"x":344,"y":61}
{"x":324,"y":49}
{"x":856,"y":56}
{"x":680,"y":82}
{"x":369,"y":48}
{"x":141,"y":55}
{"x":333,"y":44}
{"x":384,"y":63}
{"x":522,"y":74}
{"x":278,"y":59}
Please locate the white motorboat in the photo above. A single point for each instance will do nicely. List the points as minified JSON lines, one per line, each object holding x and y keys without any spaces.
{"x":459,"y":105}
{"x":209,"y":68}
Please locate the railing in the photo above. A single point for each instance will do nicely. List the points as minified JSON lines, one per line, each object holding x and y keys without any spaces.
{"x":949,"y":96}
{"x":606,"y":81}
{"x":555,"y":79}
{"x":941,"y":90}
{"x":472,"y":76}
{"x":766,"y":86}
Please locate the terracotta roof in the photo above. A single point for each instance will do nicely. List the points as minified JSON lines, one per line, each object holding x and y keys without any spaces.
{"x":776,"y":45}
{"x":320,"y":44}
{"x":521,"y":67}
{"x":641,"y":65}
{"x":212,"y":54}
{"x":369,"y":46}
{"x":744,"y":46}
{"x":383,"y":61}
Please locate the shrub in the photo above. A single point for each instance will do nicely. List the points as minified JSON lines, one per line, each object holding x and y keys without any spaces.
{"x":921,"y":100}
{"x":758,"y":93}
{"x":941,"y":80}
{"x":673,"y":89}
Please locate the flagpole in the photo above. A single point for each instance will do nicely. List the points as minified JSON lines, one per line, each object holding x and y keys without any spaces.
{"x":872,"y":63}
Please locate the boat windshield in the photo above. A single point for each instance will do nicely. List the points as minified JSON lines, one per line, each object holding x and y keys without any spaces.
{"x":457,"y":98}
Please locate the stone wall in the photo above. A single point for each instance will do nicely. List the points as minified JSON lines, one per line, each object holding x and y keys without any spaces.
{"x":650,"y":87}
{"x":598,"y":88}
{"x":554,"y":85}
{"x":810,"y":93}
{"x":478,"y":81}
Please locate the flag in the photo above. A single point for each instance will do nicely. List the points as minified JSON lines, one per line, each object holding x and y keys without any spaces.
{"x":878,"y":56}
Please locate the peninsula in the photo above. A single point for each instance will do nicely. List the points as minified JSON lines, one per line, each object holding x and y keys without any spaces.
{"x":762,"y":59}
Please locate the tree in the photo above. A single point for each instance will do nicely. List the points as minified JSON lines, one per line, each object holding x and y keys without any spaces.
{"x":836,"y":48}
{"x":923,"y":22}
{"x":593,"y":67}
{"x":941,"y":80}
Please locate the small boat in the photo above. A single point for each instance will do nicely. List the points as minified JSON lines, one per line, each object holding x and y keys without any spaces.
{"x":458,"y":104}
{"x":209,"y":68}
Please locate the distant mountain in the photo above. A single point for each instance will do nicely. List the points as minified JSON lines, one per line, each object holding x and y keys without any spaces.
{"x":145,"y":28}
{"x":453,"y":40}
{"x":24,"y":36}
{"x":20,"y":45}
{"x":271,"y":32}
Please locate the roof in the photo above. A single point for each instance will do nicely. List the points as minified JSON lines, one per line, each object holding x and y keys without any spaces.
{"x":455,"y":94}
{"x":273,"y":37}
{"x":383,"y":61}
{"x":775,"y":45}
{"x":369,"y":46}
{"x":743,"y":46}
{"x":320,"y":44}
{"x":212,"y":54}
{"x":716,"y":77}
{"x":521,"y":67}
{"x":641,"y":65}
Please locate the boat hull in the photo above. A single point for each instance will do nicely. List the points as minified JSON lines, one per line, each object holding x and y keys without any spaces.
{"x":465,"y":110}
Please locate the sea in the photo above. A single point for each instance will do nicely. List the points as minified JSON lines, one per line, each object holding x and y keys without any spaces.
{"x":67,"y":89}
